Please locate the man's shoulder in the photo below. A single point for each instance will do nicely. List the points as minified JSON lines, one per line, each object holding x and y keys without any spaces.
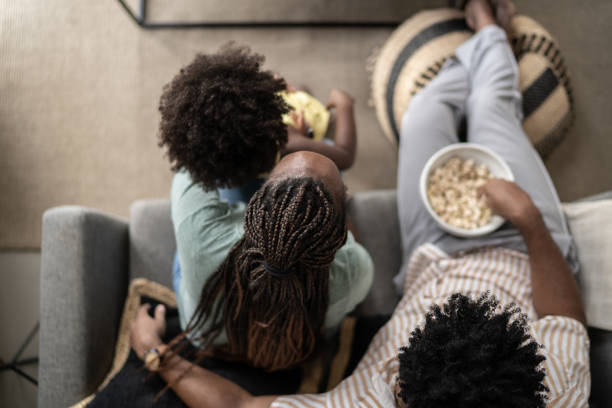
{"x":565,"y":344}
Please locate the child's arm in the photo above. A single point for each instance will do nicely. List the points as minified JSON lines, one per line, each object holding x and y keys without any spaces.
{"x":345,"y":138}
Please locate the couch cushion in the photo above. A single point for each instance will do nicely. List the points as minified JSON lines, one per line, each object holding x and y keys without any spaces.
{"x":591,"y":226}
{"x":152,"y":242}
{"x":374,"y":215}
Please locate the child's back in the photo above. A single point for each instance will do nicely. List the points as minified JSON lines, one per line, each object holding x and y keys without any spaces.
{"x":223,"y":119}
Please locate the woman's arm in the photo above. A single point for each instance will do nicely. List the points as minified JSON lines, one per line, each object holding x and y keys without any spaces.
{"x":345,"y":137}
{"x":198,"y":387}
{"x":195,"y":386}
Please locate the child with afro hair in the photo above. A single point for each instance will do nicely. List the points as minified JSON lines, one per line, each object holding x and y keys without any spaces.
{"x":223,"y":119}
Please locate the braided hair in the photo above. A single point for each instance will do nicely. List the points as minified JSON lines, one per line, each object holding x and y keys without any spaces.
{"x":271,"y":293}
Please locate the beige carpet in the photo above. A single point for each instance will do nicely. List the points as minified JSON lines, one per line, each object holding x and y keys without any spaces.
{"x":80,"y":82}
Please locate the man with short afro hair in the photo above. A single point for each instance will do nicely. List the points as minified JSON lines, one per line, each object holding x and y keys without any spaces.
{"x":468,"y":354}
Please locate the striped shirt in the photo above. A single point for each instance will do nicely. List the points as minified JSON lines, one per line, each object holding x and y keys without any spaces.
{"x":432,"y":276}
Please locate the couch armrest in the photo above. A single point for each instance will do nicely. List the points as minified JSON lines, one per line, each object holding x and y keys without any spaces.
{"x":83,"y":284}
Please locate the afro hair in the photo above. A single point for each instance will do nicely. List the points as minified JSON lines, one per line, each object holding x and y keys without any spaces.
{"x":221,"y":118}
{"x":470,"y":355}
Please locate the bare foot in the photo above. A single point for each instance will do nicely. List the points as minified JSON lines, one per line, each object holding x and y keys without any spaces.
{"x":479,"y":14}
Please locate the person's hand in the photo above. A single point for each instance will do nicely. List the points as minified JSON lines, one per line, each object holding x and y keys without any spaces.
{"x":295,"y":141}
{"x":146,"y":331}
{"x":300,"y":123}
{"x":339,"y":98}
{"x":508,"y":200}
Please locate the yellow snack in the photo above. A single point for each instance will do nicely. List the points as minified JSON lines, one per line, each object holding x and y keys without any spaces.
{"x":315,"y":113}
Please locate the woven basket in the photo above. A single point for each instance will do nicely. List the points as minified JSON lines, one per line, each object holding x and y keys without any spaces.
{"x":415,"y":52}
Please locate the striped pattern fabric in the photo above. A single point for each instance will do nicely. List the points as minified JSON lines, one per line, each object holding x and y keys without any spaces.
{"x":433,"y":276}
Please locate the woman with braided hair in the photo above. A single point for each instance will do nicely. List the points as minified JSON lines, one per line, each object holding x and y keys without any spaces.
{"x":270,"y":277}
{"x":275,"y":280}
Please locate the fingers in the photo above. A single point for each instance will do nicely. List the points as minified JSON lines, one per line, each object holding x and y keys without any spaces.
{"x":302,"y":120}
{"x":298,"y":118}
{"x":481,"y":190}
{"x":160,"y":313}
{"x":484,"y":189}
{"x":332,"y":99}
{"x":143,"y":310}
{"x":160,"y":319}
{"x":143,"y":313}
{"x":299,"y":121}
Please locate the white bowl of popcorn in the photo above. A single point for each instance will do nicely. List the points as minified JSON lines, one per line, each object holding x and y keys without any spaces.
{"x":448,"y":187}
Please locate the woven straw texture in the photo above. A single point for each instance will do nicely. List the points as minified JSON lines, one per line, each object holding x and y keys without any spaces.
{"x":138,"y":288}
{"x":416,"y":51}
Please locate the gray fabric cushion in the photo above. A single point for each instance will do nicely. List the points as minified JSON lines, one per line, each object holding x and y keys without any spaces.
{"x":374,"y":215}
{"x":83,"y":284}
{"x":152,"y":242}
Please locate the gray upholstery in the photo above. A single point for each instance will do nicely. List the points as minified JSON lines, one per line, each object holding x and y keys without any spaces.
{"x":152,"y":243}
{"x":83,"y":283}
{"x":88,"y":259}
{"x":373,"y":215}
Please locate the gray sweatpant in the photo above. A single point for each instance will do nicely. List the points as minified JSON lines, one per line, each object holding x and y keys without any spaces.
{"x":481,"y":83}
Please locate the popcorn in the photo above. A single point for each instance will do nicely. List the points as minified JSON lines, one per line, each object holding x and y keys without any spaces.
{"x":452,"y":190}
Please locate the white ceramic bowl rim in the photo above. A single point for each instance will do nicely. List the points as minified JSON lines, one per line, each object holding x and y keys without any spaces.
{"x":496,"y":220}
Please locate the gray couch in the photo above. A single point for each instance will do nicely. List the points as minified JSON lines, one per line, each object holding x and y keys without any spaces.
{"x":89,"y":257}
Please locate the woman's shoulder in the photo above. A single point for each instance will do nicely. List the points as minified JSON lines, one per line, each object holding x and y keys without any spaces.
{"x":350,"y":280}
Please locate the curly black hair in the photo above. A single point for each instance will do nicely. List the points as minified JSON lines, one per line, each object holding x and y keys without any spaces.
{"x":221,"y":118}
{"x":468,"y":355}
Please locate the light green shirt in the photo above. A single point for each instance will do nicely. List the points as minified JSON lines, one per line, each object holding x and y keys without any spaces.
{"x":206,"y":228}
